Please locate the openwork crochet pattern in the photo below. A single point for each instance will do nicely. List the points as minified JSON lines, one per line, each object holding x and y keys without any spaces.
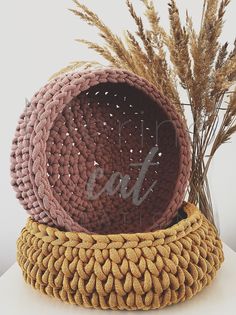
{"x":122,"y":271}
{"x":107,"y":118}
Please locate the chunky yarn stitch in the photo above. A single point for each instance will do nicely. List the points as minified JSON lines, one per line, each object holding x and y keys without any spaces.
{"x":108,"y":118}
{"x":122,"y":271}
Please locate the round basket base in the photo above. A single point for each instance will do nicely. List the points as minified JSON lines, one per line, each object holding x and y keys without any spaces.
{"x":139,"y":271}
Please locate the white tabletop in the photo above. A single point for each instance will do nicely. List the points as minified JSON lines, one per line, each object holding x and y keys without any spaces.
{"x":219,"y":298}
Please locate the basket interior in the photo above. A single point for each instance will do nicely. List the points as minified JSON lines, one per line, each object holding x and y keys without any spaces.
{"x":112,"y":127}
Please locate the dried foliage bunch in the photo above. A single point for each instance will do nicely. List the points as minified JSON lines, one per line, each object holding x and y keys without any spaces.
{"x":204,"y":68}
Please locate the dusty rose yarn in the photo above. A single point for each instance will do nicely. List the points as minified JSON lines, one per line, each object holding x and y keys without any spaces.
{"x":105,"y":118}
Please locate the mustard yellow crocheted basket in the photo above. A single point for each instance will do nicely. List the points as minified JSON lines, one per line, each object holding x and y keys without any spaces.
{"x":122,"y":271}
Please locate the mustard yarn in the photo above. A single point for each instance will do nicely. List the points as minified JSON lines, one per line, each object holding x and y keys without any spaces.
{"x":122,"y":271}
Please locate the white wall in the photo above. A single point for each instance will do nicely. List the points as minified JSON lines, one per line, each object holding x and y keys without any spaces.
{"x":37,"y":39}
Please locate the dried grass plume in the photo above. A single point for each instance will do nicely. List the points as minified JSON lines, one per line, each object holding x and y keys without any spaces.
{"x":202,"y":66}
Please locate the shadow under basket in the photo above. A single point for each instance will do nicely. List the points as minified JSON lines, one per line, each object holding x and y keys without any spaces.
{"x":122,"y":271}
{"x":106,"y":123}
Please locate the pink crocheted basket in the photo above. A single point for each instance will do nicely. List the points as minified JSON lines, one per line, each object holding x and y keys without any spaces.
{"x":109,"y":120}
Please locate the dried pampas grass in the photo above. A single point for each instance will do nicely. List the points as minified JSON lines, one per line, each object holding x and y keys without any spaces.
{"x":203,"y":66}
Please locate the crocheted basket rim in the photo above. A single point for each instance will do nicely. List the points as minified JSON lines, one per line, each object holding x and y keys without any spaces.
{"x":192,"y":222}
{"x":128,"y":271}
{"x":42,"y":178}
